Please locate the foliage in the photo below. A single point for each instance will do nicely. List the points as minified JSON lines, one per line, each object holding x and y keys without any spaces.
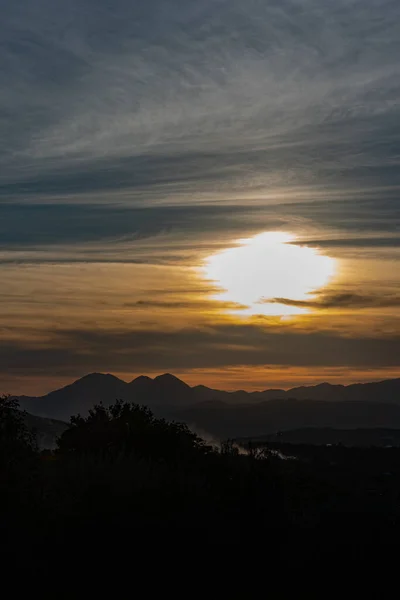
{"x":120,"y":474}
{"x":130,"y":428}
{"x":17,"y":442}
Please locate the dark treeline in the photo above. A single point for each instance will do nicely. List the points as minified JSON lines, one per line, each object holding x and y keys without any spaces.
{"x":122,"y":477}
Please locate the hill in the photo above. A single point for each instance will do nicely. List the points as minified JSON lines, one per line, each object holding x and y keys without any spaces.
{"x":81,"y":395}
{"x":381,"y":391}
{"x":167,"y":390}
{"x":231,"y":414}
{"x":224,"y":421}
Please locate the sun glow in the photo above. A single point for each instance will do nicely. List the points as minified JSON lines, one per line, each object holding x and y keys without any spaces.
{"x":259,"y":271}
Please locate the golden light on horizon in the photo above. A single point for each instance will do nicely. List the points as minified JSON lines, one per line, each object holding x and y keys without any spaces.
{"x":260,"y":270}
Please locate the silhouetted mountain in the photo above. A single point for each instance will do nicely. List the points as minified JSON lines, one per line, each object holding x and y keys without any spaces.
{"x":322,"y":391}
{"x":140,"y":390}
{"x":171,"y":390}
{"x":164,"y":390}
{"x":228,"y":421}
{"x":80,"y":396}
{"x":141,"y":383}
{"x":77,"y":397}
{"x":167,"y":391}
{"x":382,"y":391}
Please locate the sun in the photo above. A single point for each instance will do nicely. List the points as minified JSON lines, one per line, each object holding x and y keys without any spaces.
{"x":259,"y":270}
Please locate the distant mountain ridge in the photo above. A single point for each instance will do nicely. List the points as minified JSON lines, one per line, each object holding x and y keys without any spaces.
{"x":81,"y":395}
{"x":168,"y":392}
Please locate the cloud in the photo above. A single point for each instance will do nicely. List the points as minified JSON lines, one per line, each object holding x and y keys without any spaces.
{"x":218,"y":103}
{"x":148,"y":135}
{"x":187,"y":348}
{"x":59,"y":232}
{"x":190,"y":304}
{"x":23,"y":225}
{"x":356,"y":242}
{"x":343,"y":300}
{"x":223,"y":93}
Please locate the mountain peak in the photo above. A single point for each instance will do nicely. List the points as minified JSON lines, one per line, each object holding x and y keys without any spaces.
{"x":96,"y":378}
{"x":92,"y":376}
{"x":168,"y":377}
{"x":170,"y":383}
{"x":141,"y":379}
{"x":169,"y":391}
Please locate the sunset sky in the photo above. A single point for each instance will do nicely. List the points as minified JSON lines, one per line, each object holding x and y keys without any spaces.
{"x":205,"y":187}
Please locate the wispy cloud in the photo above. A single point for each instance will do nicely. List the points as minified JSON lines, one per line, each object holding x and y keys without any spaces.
{"x":342,"y":300}
{"x":191,"y":348}
{"x":140,"y":137}
{"x":112,"y":93}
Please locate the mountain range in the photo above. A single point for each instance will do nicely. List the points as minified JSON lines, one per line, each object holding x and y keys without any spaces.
{"x":231,"y":414}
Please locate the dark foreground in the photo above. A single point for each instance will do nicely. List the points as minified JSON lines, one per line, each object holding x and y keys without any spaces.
{"x":122,"y":482}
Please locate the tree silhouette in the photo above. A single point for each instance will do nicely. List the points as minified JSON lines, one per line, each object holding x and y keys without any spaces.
{"x":130,"y":428}
{"x":17,"y":441}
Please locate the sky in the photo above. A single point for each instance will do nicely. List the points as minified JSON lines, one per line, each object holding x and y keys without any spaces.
{"x":205,"y":187}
